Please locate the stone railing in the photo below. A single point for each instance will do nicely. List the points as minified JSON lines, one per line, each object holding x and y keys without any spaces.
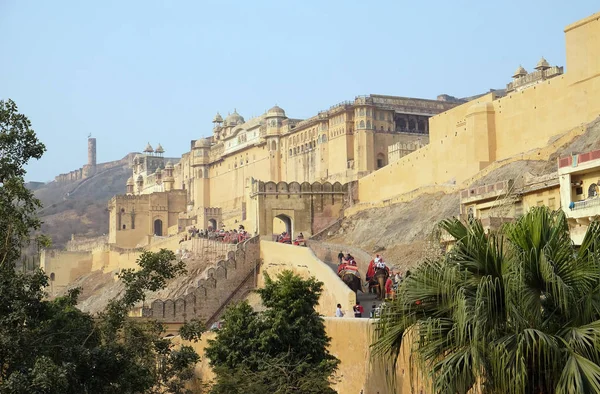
{"x":590,"y":202}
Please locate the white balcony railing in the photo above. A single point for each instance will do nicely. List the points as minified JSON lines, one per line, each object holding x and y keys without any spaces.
{"x":592,"y":202}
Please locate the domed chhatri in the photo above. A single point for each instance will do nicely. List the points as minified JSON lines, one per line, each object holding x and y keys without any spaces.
{"x":130,"y":181}
{"x":218,"y":118}
{"x":276,"y":111}
{"x":169,"y":165}
{"x":140,"y":179}
{"x":149,"y":148}
{"x":202,"y":143}
{"x":158,"y":171}
{"x":159,"y":149}
{"x":520,"y":72}
{"x":234,"y":119}
{"x":542,"y":64}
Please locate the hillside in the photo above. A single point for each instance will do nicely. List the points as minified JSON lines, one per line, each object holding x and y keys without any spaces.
{"x":80,"y":207}
{"x":402,"y":231}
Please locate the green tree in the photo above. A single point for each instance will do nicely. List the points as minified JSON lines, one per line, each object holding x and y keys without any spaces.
{"x":517,"y":311}
{"x":280,"y":350}
{"x":51,"y":346}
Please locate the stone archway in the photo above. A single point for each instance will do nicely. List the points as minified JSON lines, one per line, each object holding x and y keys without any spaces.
{"x":282,"y":223}
{"x":158,"y":227}
{"x":213,"y":223}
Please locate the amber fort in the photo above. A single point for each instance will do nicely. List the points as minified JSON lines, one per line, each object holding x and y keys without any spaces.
{"x":275,"y":173}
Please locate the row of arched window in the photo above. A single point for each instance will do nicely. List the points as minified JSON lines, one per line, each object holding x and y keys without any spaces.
{"x":301,"y":137}
{"x":337,"y":120}
{"x":303,"y":148}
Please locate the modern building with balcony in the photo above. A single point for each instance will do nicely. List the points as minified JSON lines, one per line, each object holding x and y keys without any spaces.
{"x":502,"y":202}
{"x":579,"y":176}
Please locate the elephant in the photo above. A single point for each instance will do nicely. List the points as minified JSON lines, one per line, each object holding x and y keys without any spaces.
{"x":352,"y":281}
{"x":381,"y":275}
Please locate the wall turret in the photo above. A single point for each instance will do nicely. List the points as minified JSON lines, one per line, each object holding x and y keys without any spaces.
{"x":168,"y":179}
{"x":130,"y":185}
{"x":140,"y":183}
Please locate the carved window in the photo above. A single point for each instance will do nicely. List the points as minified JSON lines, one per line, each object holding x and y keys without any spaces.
{"x":368,"y":124}
{"x":593,"y":190}
{"x":362,"y":124}
{"x":361,"y":112}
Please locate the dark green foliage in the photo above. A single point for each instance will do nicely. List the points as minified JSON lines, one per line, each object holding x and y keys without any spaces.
{"x":52,"y":347}
{"x":280,"y":350}
{"x":516,"y":311}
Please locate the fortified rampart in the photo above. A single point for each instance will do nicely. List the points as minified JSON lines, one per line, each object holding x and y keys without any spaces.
{"x":225,"y":280}
{"x":64,"y":267}
{"x":86,"y":244}
{"x":468,"y":138}
{"x":92,"y":168}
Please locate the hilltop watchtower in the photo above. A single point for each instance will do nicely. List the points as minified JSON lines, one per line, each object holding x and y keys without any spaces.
{"x":90,"y":168}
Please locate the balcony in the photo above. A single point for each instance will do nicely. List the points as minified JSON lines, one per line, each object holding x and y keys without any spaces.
{"x":591,"y":202}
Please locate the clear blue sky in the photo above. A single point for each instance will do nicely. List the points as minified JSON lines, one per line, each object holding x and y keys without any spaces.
{"x":129,"y":72}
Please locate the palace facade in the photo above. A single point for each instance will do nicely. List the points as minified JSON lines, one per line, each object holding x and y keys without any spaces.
{"x":341,"y":144}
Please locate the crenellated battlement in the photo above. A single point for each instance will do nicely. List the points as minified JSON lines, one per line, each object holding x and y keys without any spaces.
{"x":226,"y":279}
{"x":267,"y":188}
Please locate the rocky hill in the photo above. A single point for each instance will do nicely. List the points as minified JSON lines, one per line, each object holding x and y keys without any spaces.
{"x":403,"y":231}
{"x":80,"y":207}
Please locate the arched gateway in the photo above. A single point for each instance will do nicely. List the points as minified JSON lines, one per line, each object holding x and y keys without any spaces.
{"x":298,"y":208}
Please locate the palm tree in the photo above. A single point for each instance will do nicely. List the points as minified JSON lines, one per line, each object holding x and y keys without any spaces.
{"x":514,"y":311}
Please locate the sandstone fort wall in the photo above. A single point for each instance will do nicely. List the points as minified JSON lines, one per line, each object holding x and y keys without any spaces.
{"x":469,"y":137}
{"x":277,"y":257}
{"x":83,"y":244}
{"x":227,"y":277}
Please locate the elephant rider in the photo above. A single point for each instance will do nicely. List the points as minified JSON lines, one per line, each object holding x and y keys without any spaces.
{"x":340,"y":257}
{"x":350,"y":260}
{"x":370,"y":271}
{"x":380,"y":264}
{"x":299,"y":239}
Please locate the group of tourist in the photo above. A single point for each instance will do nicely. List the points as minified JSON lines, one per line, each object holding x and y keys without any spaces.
{"x":286,"y":238}
{"x":393,"y":280}
{"x":357,"y":309}
{"x":345,"y":259}
{"x":226,"y":236}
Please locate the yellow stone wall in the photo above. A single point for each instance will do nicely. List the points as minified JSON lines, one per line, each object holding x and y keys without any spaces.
{"x":350,"y":343}
{"x":64,"y":267}
{"x":132,"y":217}
{"x":278,"y":257}
{"x":467,"y":138}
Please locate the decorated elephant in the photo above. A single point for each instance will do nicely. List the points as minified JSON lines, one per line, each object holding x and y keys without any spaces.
{"x":353,"y":281}
{"x":380,"y":277}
